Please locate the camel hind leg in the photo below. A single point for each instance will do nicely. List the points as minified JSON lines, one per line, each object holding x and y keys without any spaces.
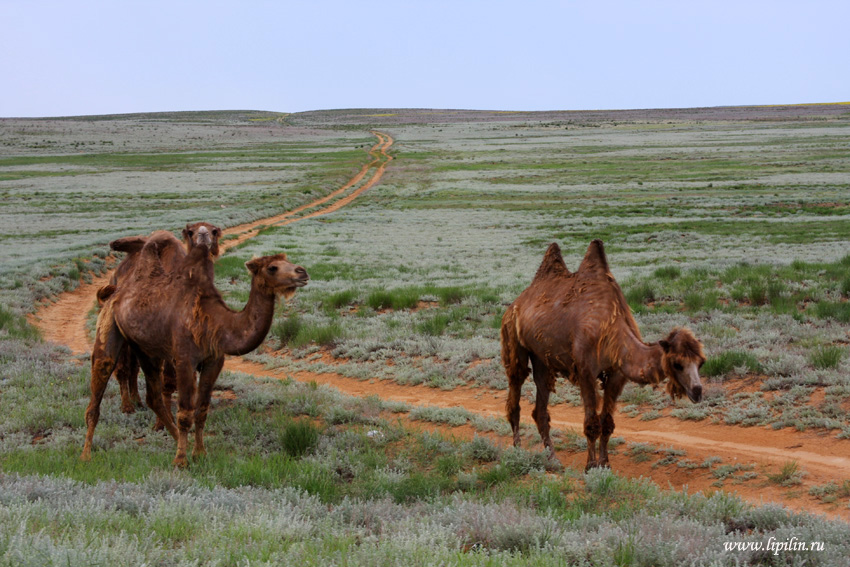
{"x":104,"y":357}
{"x":153,"y":386}
{"x":613,"y":387}
{"x":127,"y":374}
{"x":169,"y":386}
{"x":592,"y":424}
{"x":515,"y":361}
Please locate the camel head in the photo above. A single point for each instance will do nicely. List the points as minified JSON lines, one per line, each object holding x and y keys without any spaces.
{"x":681,"y":362}
{"x":276,"y":274}
{"x":202,"y":234}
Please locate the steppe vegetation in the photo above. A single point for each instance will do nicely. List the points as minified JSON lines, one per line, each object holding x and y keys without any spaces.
{"x":736,"y":227}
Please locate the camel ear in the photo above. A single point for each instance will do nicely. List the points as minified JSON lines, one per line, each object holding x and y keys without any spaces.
{"x":254,"y":266}
{"x":665,"y":345}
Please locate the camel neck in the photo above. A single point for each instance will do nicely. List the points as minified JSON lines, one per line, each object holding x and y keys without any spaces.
{"x":642,"y":362}
{"x":245,"y":330}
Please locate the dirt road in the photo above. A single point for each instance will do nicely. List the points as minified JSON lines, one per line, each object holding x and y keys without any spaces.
{"x":822,"y":456}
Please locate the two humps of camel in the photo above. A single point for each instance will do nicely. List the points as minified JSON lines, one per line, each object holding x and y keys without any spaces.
{"x":164,"y":311}
{"x":579,"y":325}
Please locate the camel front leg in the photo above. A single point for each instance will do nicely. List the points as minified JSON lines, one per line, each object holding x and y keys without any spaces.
{"x":104,"y":357}
{"x":613,"y":388}
{"x":209,"y":374}
{"x":592,"y":425}
{"x":186,"y":389}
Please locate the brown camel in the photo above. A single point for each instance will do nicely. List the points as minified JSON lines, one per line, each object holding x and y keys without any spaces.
{"x":180,"y":317}
{"x":127,"y":369}
{"x":579,"y":325}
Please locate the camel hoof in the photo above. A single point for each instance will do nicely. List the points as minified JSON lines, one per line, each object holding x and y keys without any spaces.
{"x":180,"y":463}
{"x":128,"y":409}
{"x":158,"y":426}
{"x":85,"y":457}
{"x":596,"y":465}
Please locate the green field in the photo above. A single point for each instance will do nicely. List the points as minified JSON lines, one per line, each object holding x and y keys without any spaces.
{"x":737,"y":226}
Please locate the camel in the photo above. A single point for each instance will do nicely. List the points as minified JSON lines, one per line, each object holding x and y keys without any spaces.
{"x":180,"y":317}
{"x":579,"y":325}
{"x":127,"y":369}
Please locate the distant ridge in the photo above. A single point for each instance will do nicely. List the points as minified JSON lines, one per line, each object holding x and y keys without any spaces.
{"x":395,"y":116}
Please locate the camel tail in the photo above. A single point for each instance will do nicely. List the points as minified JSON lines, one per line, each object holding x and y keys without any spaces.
{"x":552,"y":264}
{"x":514,"y":355}
{"x":105,"y":293}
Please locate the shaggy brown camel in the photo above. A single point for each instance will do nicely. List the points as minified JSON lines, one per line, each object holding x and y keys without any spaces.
{"x":580,"y":326}
{"x":127,"y":369}
{"x":180,"y":317}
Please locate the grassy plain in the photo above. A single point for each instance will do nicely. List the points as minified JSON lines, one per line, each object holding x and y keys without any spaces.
{"x":733,"y":223}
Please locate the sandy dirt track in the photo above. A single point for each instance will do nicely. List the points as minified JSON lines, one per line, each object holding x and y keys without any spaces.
{"x":824,"y":457}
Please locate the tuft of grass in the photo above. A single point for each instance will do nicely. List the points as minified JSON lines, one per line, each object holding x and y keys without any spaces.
{"x":827,"y":356}
{"x":840,"y":310}
{"x":727,"y":361}
{"x":434,"y":326}
{"x":667,"y":273}
{"x":339,"y":299}
{"x":287,"y":328}
{"x":294,"y":332}
{"x":299,"y":437}
{"x":639,"y":295}
{"x":398,"y":298}
{"x":789,"y":475}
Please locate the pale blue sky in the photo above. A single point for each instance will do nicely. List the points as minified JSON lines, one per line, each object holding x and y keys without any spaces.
{"x":85,"y":57}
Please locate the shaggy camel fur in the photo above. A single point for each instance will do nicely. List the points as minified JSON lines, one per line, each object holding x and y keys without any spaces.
{"x":127,"y":369}
{"x":180,"y":317}
{"x":579,"y":325}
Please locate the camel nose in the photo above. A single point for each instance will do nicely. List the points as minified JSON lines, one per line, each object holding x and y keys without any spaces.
{"x":696,"y":394}
{"x":302,"y":273}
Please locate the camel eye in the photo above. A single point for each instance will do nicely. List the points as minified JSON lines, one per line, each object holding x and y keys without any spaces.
{"x":191,"y":233}
{"x":678,"y":367}
{"x":272,"y":269}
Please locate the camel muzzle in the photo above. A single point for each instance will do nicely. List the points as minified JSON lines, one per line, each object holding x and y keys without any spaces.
{"x":695,"y":394}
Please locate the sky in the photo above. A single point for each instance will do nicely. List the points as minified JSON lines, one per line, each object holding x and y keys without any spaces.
{"x":82,"y":57}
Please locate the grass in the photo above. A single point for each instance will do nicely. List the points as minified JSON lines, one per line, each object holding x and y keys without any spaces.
{"x":828,"y":356}
{"x":418,"y":271}
{"x":725,"y":362}
{"x":789,"y":475}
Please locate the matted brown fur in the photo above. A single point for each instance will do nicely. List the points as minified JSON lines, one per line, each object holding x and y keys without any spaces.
{"x":579,"y":325}
{"x":170,"y":253}
{"x":180,"y":316}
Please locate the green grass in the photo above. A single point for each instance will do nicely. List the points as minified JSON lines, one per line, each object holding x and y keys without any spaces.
{"x":827,"y":356}
{"x":17,"y":327}
{"x":461,"y":224}
{"x":724,"y":362}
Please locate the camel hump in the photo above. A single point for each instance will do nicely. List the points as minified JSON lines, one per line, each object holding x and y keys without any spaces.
{"x":552,"y":264}
{"x":129,"y":244}
{"x":595,"y":261}
{"x":159,"y":241}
